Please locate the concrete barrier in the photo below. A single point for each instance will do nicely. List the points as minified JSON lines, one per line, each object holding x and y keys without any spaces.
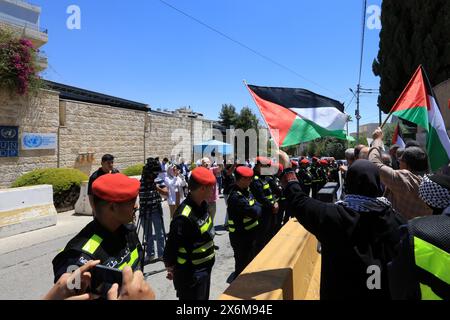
{"x":82,"y":206}
{"x":288,"y":268}
{"x":26,"y":209}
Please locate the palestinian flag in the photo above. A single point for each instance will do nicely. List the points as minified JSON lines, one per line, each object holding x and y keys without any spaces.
{"x":299,"y":115}
{"x":417,"y":104}
{"x":397,"y":137}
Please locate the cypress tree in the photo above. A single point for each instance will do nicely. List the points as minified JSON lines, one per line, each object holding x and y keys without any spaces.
{"x":413,"y":32}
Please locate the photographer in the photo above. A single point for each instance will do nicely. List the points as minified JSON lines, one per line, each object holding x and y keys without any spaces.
{"x":151,"y":210}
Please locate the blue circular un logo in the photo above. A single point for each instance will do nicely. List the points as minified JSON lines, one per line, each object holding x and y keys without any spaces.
{"x":32,"y":141}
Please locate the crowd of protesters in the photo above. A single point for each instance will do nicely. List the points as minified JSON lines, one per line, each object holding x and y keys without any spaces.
{"x":392,"y":214}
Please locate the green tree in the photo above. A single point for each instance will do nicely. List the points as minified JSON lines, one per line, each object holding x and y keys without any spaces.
{"x":311,"y":149}
{"x":414,"y":32}
{"x":228,"y":115}
{"x":388,"y":132}
{"x":247,"y":120}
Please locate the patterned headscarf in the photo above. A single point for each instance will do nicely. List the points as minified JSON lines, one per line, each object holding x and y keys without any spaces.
{"x":435,"y":193}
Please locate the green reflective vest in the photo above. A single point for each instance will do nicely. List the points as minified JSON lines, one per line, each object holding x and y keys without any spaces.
{"x":266,"y":188}
{"x":92,"y":246}
{"x":431,"y":256}
{"x":240,"y":219}
{"x":203,"y":248}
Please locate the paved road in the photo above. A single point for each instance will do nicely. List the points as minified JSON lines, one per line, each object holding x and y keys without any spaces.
{"x":26,"y":268}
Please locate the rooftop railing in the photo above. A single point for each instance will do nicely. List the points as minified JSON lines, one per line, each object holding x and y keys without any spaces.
{"x":21,"y":23}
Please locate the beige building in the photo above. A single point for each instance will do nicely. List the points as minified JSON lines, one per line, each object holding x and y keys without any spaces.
{"x":23,"y":19}
{"x":442,"y":92}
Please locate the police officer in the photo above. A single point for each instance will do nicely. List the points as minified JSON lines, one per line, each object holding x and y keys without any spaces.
{"x":277,"y":190}
{"x":304,"y":176}
{"x":316,"y":180}
{"x":189,"y":253}
{"x":110,"y":238}
{"x":322,"y":172}
{"x":262,"y":192}
{"x":421,"y":271}
{"x":243,"y":215}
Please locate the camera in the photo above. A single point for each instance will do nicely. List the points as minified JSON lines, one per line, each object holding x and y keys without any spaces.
{"x":103,"y":278}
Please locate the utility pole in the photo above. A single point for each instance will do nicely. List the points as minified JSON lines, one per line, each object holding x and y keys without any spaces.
{"x":357,"y":114}
{"x":358,"y":87}
{"x":380,"y":116}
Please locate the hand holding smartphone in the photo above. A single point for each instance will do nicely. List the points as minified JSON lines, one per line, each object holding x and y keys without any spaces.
{"x":103,"y":278}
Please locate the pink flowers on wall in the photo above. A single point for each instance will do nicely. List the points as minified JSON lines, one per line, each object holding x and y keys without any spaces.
{"x":18,"y":70}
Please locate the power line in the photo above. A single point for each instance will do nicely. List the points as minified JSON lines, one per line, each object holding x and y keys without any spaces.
{"x":358,"y":87}
{"x":362,"y":40}
{"x":265,"y":57}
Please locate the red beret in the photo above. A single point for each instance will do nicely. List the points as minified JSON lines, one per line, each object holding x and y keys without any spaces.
{"x":116,"y":187}
{"x":203,"y":176}
{"x":244,"y":171}
{"x":294,"y":163}
{"x":324,"y":162}
{"x":305,"y":161}
{"x":264,"y":161}
{"x":315,"y":158}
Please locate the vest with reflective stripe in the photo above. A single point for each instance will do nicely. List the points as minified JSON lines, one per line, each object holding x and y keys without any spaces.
{"x":431,"y":245}
{"x":203,"y":247}
{"x":93,"y":244}
{"x":266,"y":188}
{"x":239,"y":220}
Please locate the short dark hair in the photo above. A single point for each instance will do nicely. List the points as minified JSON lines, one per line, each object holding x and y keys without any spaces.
{"x":193,"y":184}
{"x":412,"y":143}
{"x":236,"y":174}
{"x":394,"y":146}
{"x":416,"y":159}
{"x":107,"y":157}
{"x":99,"y":203}
{"x":165,"y":160}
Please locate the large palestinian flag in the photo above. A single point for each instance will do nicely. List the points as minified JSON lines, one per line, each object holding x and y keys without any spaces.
{"x":417,"y":104}
{"x":299,"y":115}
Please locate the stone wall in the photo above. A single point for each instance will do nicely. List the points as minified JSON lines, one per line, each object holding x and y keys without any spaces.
{"x":173,"y":137}
{"x":86,"y":131}
{"x":38,"y":114}
{"x":92,"y":130}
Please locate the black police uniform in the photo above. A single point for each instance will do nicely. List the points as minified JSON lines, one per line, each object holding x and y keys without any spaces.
{"x":116,"y":250}
{"x":262,"y":192}
{"x":190,"y":250}
{"x":305,"y":178}
{"x":323,"y":176}
{"x":244,"y":213}
{"x":277,"y":191}
{"x":316,"y":180}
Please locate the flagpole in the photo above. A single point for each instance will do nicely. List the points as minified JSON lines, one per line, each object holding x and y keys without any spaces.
{"x":404,"y":90}
{"x":262,"y":114}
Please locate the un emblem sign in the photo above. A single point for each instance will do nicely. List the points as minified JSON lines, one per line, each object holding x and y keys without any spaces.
{"x":32,"y":141}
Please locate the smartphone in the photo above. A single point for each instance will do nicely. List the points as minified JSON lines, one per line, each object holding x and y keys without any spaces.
{"x":102,"y":279}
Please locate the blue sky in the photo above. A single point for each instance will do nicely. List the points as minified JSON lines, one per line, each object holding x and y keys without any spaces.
{"x":143,"y":50}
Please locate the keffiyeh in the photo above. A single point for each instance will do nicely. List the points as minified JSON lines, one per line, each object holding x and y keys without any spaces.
{"x":433,"y":194}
